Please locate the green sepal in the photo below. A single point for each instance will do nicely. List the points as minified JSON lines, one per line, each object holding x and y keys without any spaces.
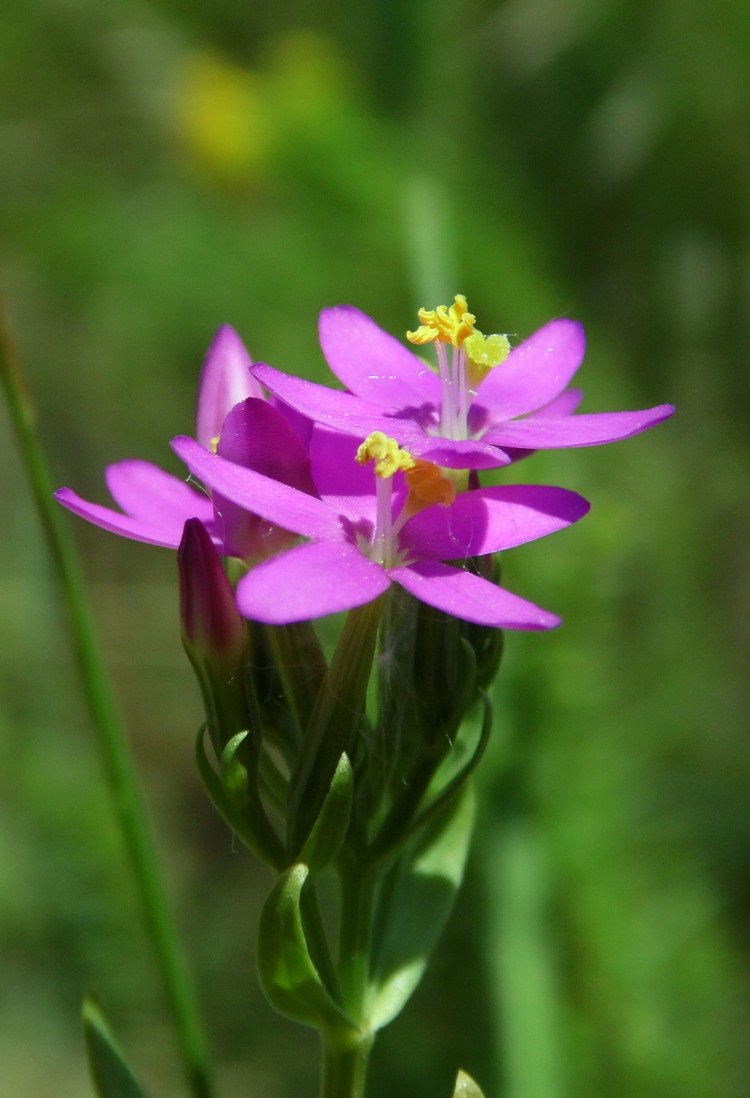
{"x":414,"y":905}
{"x":427,"y":651}
{"x":488,"y":643}
{"x":298,"y":667}
{"x":402,"y":823}
{"x":466,"y":1087}
{"x":287,"y":974}
{"x":329,"y":830}
{"x":110,"y":1072}
{"x":457,"y":783}
{"x":246,"y":818}
{"x":445,"y":678}
{"x":337,"y":722}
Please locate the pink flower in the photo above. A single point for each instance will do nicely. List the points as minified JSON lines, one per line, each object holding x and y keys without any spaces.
{"x":482,"y":404}
{"x":361,"y":543}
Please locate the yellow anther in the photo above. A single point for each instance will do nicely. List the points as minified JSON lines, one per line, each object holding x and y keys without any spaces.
{"x":386,"y":453}
{"x":428,"y":484}
{"x":487,"y":351}
{"x":482,"y":354}
{"x":214,"y":444}
{"x":446,"y":324}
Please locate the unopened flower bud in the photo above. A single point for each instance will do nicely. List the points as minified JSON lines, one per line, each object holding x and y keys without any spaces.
{"x":212,"y":626}
{"x":214,"y":633}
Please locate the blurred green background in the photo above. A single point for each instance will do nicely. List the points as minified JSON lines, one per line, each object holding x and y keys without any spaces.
{"x":169,"y":166}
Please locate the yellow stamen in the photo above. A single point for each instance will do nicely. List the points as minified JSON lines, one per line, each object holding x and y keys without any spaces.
{"x":487,"y":351}
{"x":427,"y":485}
{"x":446,"y":324}
{"x":386,"y":453}
{"x":483,"y":353}
{"x":214,"y":444}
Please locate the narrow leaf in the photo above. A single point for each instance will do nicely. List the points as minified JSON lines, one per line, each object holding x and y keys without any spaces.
{"x":110,"y":1073}
{"x":288,"y":976}
{"x":466,"y":1087}
{"x":125,"y":795}
{"x":329,"y":830}
{"x":260,"y":839}
{"x":415,"y":906}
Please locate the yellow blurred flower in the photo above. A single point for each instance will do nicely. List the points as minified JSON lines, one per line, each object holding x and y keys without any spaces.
{"x":222,"y":119}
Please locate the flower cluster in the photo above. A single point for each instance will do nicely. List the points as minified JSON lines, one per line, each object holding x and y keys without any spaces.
{"x":287,"y":491}
{"x":367,"y":500}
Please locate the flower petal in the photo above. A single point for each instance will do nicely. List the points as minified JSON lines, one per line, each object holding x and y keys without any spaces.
{"x":335,"y":469}
{"x":157,"y":505}
{"x":459,"y":454}
{"x":543,"y":432}
{"x":470,"y":597}
{"x":563,"y":405}
{"x":373,"y":364}
{"x":358,"y":418}
{"x":136,"y":528}
{"x":272,"y":500}
{"x":535,"y":372}
{"x":144,"y":490}
{"x":308,"y":582}
{"x":225,"y":380}
{"x":489,"y":520}
{"x":258,"y":436}
{"x":341,"y":411}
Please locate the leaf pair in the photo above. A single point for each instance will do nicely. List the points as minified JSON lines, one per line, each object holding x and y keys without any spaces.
{"x":413,"y":903}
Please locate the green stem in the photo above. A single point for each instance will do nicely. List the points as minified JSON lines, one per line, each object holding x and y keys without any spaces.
{"x":345,"y":1066}
{"x":346,"y":1052}
{"x":118,"y":766}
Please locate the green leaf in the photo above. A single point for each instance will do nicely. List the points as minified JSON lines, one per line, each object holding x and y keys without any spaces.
{"x":414,"y":906}
{"x":329,"y":830}
{"x":110,"y":1073}
{"x":248,"y":822}
{"x":288,"y":976}
{"x":235,"y":776}
{"x":466,"y":1087}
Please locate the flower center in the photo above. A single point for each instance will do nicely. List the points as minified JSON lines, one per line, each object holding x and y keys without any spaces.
{"x":426,"y":482}
{"x":472,"y":356}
